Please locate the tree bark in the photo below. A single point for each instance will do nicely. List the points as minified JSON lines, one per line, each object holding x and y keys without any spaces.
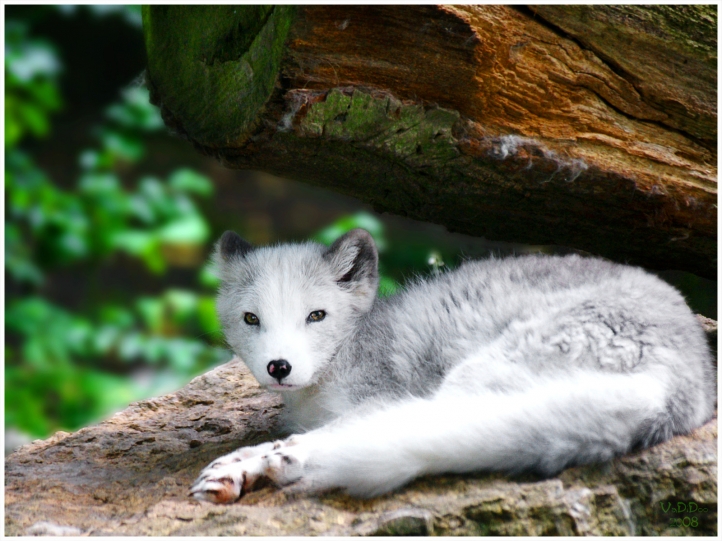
{"x":587,"y":126}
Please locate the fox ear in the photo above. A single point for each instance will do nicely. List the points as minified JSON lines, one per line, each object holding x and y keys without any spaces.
{"x":354,"y":259}
{"x":232,"y":245}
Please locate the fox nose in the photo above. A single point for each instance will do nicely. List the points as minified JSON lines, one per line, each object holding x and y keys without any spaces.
{"x":279,"y":369}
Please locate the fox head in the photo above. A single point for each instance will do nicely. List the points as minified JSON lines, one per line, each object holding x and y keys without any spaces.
{"x":287,"y":309}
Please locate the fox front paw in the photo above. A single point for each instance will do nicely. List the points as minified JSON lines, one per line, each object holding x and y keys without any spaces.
{"x":229,"y":477}
{"x":244,"y":453}
{"x":228,"y":482}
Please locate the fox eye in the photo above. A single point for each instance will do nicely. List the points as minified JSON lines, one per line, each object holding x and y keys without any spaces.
{"x":251,"y":319}
{"x":316,"y":315}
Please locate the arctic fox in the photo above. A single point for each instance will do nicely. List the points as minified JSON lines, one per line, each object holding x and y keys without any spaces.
{"x":531,"y":363}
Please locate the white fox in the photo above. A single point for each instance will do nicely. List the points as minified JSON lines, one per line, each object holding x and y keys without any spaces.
{"x":531,"y":363}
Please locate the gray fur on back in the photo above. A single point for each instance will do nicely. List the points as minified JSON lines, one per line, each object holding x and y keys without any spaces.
{"x":549,"y":313}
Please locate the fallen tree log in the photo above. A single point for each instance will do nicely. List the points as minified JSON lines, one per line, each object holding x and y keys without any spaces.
{"x":587,"y":126}
{"x":130,"y":475}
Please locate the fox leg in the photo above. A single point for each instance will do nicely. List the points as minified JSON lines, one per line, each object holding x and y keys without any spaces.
{"x":545,"y":428}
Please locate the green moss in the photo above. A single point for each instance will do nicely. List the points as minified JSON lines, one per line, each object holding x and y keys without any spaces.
{"x":692,"y":28}
{"x":215,"y":66}
{"x":411,"y":133}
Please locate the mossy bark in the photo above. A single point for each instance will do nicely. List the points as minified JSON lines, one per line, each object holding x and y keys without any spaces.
{"x":215,"y":66}
{"x":592,"y":127}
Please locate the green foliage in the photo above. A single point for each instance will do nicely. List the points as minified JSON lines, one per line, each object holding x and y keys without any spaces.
{"x":130,"y":14}
{"x":31,"y":93}
{"x":65,"y":369}
{"x":53,"y":378}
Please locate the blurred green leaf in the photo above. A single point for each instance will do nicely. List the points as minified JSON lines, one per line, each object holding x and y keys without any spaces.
{"x":208,"y":278}
{"x":131,"y":346}
{"x":207,"y":316}
{"x":343,"y":225}
{"x":155,"y":349}
{"x":31,"y":70}
{"x":105,"y":338}
{"x":182,"y":353}
{"x":135,"y":111}
{"x":122,"y":146}
{"x":183,"y":304}
{"x":188,"y":180}
{"x":152,"y":312}
{"x":34,"y":118}
{"x":28,"y":59}
{"x":45,"y":93}
{"x":18,"y":258}
{"x":142,"y":210}
{"x":119,"y":317}
{"x":136,"y":242}
{"x":89,"y":159}
{"x":96,"y":184}
{"x":73,"y":244}
{"x":59,"y":362}
{"x":13,"y":127}
{"x":190,"y":229}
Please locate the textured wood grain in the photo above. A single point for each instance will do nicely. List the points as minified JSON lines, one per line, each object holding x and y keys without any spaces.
{"x":679,"y":88}
{"x":593,"y":127}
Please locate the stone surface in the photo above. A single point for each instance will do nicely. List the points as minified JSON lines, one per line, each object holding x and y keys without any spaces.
{"x":130,"y":475}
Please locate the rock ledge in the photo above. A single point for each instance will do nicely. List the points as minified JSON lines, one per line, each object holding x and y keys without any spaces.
{"x":130,"y":476}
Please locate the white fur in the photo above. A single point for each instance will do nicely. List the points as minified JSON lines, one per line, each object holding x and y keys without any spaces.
{"x":533,"y":363}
